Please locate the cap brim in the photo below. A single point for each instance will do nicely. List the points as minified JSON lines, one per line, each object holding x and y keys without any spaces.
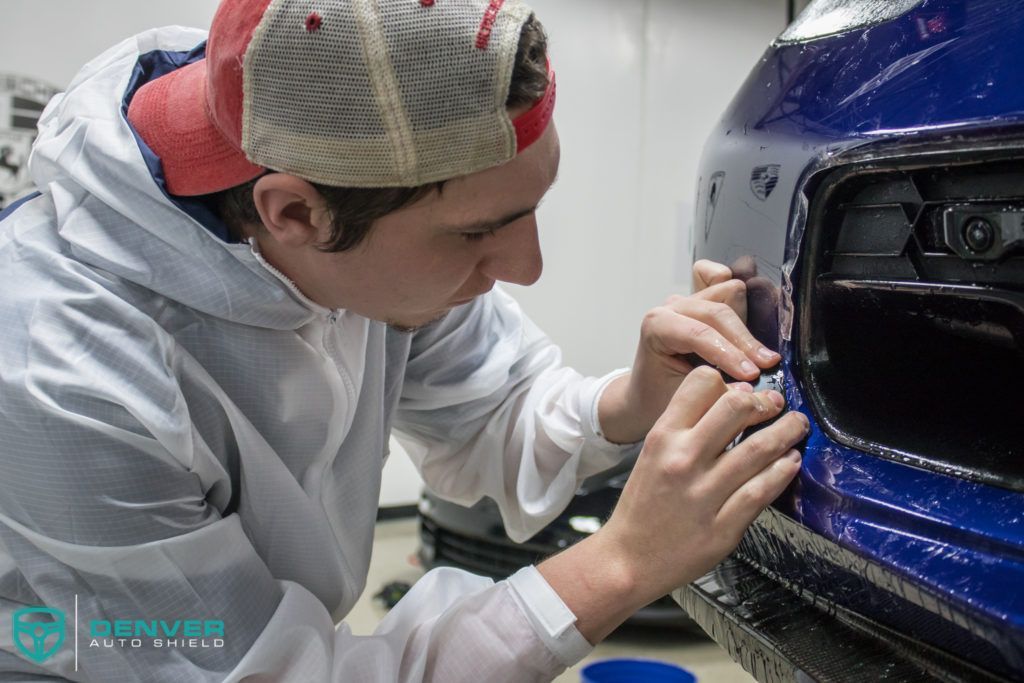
{"x":170,"y":115}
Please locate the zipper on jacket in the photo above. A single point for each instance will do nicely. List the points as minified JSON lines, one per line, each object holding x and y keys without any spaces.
{"x":328,"y":313}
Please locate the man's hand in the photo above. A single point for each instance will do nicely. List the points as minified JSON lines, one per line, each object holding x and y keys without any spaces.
{"x":686,"y":504}
{"x":710,"y":323}
{"x":688,"y":500}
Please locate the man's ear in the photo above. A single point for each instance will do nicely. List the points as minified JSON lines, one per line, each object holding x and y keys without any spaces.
{"x":292,"y":210}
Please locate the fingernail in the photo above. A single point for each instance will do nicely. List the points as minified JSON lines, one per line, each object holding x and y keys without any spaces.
{"x":795,"y":456}
{"x":742,"y":386}
{"x":764,"y":354}
{"x":807,"y":423}
{"x":748,"y":367}
{"x":777,"y":399}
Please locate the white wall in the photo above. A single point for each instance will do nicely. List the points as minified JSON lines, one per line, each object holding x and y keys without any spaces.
{"x":51,"y":39}
{"x":641,"y":83}
{"x":640,"y":86}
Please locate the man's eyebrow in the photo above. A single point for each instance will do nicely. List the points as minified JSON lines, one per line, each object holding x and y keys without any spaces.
{"x":485,"y":226}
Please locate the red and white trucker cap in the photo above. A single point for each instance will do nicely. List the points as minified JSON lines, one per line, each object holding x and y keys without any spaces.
{"x":350,"y":93}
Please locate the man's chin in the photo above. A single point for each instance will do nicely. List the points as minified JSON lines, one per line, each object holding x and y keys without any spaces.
{"x":408,"y":327}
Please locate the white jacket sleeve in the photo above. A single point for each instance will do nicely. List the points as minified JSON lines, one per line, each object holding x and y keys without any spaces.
{"x":452,"y":627}
{"x":487,"y":409}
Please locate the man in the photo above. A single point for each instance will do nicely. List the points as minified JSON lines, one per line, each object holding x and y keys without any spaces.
{"x":249,"y":261}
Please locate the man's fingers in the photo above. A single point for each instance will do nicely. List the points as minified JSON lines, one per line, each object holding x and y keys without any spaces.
{"x":741,"y":508}
{"x":707,"y":273}
{"x":732,"y":293}
{"x":709,"y":332}
{"x":730,"y":324}
{"x":695,"y":395}
{"x":736,"y":294}
{"x":724,"y":307}
{"x":731,"y":414}
{"x":759,"y":450}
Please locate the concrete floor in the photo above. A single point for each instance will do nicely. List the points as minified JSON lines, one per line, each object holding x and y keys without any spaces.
{"x":393,"y":552}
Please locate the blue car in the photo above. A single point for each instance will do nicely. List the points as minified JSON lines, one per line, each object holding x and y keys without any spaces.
{"x":867,"y":182}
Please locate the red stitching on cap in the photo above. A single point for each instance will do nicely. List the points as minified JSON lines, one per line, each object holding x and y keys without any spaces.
{"x":483,"y":37}
{"x":313,"y":22}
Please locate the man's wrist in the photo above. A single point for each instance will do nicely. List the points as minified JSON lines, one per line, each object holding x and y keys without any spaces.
{"x":619,"y":421}
{"x":550,"y":617}
{"x":598,"y":583}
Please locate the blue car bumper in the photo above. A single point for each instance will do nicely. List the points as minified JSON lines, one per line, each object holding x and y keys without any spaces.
{"x":843,"y":183}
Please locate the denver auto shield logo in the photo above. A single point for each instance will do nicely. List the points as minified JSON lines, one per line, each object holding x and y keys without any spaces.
{"x":38,"y":633}
{"x":37,"y":636}
{"x":22,"y":101}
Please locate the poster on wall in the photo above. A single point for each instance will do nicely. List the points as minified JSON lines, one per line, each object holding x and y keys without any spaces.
{"x":22,"y":101}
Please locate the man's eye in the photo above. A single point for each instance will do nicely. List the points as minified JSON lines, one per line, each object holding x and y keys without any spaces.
{"x":476,"y":236}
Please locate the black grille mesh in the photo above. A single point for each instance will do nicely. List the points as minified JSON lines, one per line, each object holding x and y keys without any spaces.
{"x":908,"y":340}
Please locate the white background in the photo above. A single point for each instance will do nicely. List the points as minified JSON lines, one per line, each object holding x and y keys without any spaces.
{"x":640,"y":85}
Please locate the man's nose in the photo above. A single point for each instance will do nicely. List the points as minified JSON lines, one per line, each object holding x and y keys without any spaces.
{"x":515,"y":256}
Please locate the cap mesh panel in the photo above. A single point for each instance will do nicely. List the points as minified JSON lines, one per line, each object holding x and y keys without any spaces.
{"x":385,"y":93}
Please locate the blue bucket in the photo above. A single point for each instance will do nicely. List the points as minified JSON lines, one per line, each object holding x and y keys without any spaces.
{"x":635,"y":671}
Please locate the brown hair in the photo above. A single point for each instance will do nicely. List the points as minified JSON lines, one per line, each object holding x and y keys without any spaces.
{"x":354,"y":210}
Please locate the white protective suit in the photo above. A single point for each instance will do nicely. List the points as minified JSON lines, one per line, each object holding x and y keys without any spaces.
{"x":186,"y":436}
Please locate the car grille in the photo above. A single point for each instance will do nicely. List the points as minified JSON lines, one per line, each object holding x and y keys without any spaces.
{"x":911,"y":311}
{"x":494,"y":559}
{"x":499,"y":560}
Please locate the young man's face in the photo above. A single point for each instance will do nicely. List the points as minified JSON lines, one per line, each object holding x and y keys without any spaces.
{"x":418,"y":263}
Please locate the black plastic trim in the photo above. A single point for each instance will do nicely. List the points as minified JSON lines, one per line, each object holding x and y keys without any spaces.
{"x":393,"y":512}
{"x":785,"y":630}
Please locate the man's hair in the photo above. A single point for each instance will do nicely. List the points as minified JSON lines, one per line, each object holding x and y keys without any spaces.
{"x":354,"y":209}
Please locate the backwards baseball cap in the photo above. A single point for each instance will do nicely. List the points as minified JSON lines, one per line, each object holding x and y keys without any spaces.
{"x":350,"y":93}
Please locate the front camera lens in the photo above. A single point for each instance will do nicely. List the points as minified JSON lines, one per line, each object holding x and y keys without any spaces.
{"x":979,"y":235}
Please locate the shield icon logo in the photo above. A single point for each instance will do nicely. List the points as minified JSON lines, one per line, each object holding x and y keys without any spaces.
{"x":763,"y":180}
{"x":38,"y":638}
